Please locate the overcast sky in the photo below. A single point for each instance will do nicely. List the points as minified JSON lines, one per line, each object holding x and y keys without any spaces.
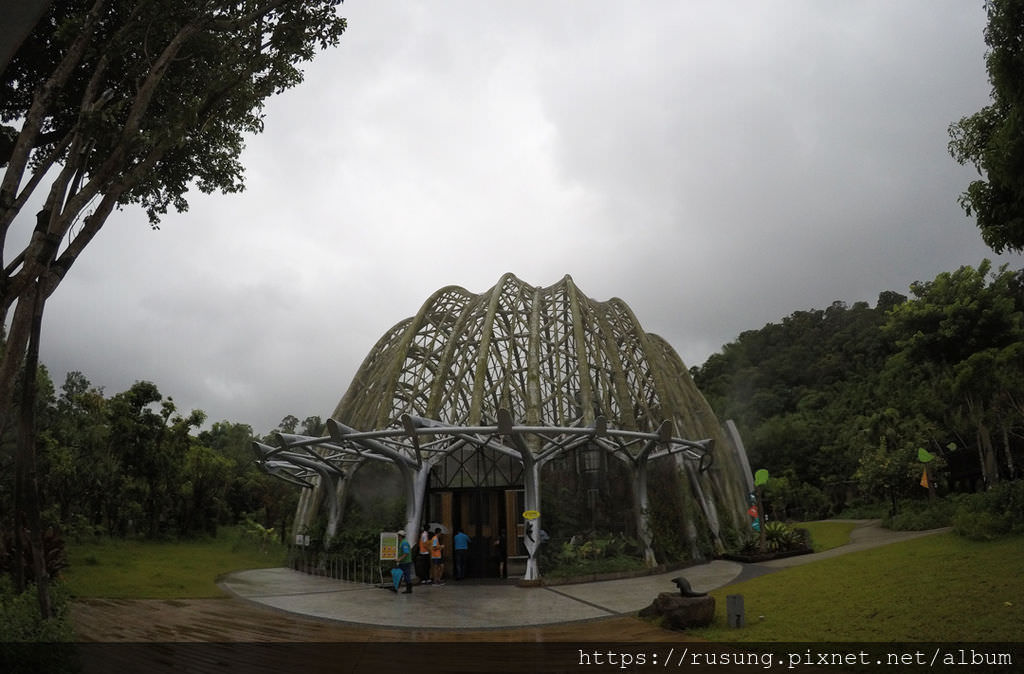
{"x":715,"y":165}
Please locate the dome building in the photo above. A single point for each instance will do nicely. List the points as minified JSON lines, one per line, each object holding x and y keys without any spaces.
{"x":523,"y":412}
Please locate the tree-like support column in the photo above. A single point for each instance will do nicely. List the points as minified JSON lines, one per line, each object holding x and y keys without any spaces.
{"x":302,"y":460}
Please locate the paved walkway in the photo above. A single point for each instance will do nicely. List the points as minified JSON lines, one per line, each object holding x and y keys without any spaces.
{"x":468,"y":605}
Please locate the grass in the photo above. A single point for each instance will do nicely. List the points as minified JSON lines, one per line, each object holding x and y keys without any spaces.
{"x":826,"y":535}
{"x":939,"y":588}
{"x":162,"y":570}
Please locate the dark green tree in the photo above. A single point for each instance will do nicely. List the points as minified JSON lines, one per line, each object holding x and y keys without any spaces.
{"x":149,"y":464}
{"x":251,"y":493}
{"x":313,"y":426}
{"x":125,"y":102}
{"x":289,"y":424}
{"x":959,"y":360}
{"x":114,"y":102}
{"x":72,"y":462}
{"x":992,"y":139}
{"x":205,"y":479}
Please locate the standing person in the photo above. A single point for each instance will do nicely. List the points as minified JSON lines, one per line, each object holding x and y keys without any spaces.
{"x":423,"y":556}
{"x":404,"y":561}
{"x":436,"y":557}
{"x":499,"y":553}
{"x":461,"y":553}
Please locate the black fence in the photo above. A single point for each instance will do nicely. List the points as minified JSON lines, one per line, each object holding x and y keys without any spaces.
{"x":360,"y":566}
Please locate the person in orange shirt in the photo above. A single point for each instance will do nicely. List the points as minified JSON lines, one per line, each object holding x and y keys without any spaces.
{"x":423,"y":556}
{"x":436,"y":557}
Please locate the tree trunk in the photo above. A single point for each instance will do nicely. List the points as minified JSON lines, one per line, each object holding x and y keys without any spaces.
{"x":14,"y":354}
{"x":414,"y":506}
{"x":1011,"y":467}
{"x":986,"y":453}
{"x":12,"y":360}
{"x":642,"y":510}
{"x":18,"y":538}
{"x":531,"y":501}
{"x":990,"y":466}
{"x":27,"y":457}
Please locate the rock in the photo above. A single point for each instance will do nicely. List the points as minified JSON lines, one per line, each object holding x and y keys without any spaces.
{"x":681,"y":613}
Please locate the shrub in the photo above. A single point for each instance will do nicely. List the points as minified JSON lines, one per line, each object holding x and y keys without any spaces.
{"x":981,"y":526}
{"x":864,"y":511}
{"x":356,"y":540}
{"x":780,"y":537}
{"x":992,"y":514}
{"x":20,"y":619}
{"x":788,"y":498}
{"x":259,"y":534}
{"x":79,"y":529}
{"x":597,"y":553}
{"x":55,"y":555}
{"x":810,"y":503}
{"x":921,"y":515}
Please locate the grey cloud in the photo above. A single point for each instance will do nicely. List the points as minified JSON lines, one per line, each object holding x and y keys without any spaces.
{"x":715,"y":166}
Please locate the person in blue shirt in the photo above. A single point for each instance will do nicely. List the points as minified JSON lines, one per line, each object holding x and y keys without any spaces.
{"x":404,"y":562}
{"x":461,"y":554}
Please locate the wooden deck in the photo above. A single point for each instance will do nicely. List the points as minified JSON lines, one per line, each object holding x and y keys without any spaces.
{"x":235,"y":620}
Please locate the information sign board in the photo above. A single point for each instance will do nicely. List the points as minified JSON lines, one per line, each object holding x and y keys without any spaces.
{"x":389,"y":545}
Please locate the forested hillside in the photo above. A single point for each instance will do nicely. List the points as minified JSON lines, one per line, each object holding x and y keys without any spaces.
{"x":837,"y":403}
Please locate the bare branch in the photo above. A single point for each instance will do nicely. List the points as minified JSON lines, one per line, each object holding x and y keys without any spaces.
{"x":42,"y":169}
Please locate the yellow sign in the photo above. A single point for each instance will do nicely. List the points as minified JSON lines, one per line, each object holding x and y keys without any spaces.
{"x":389,"y":545}
{"x":531,"y":515}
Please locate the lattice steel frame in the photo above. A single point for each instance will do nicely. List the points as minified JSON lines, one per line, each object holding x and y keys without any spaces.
{"x":421,"y":443}
{"x":566,"y":368}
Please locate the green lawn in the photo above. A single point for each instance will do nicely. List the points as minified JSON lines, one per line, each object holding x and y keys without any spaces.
{"x":935,"y":588}
{"x":170,"y":570}
{"x":828,"y":534}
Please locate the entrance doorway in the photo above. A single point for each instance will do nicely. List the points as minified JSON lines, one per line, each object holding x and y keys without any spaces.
{"x":484,"y":513}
